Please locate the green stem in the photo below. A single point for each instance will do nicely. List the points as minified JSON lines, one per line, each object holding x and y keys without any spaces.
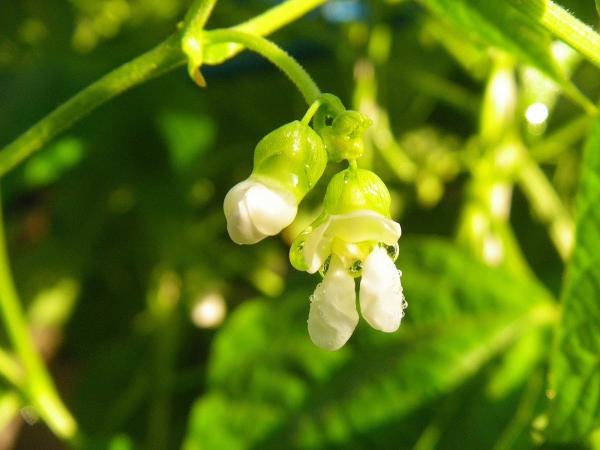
{"x":198,"y":14}
{"x":38,"y":385}
{"x":547,"y":205}
{"x":311,"y":112}
{"x":10,"y":369}
{"x":561,"y":140}
{"x":262,"y":25}
{"x":566,"y":26}
{"x":273,"y":53}
{"x":162,"y":58}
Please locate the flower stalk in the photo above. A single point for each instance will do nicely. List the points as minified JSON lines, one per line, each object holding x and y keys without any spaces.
{"x":163,"y":58}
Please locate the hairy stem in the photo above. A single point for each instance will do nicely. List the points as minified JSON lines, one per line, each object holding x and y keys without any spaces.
{"x":162,"y":58}
{"x":273,"y":53}
{"x":198,"y":14}
{"x":566,"y":26}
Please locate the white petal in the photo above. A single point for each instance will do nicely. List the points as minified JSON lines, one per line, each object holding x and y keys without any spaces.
{"x":358,"y":226}
{"x":333,"y":316}
{"x":255,"y":211}
{"x":381,"y":299}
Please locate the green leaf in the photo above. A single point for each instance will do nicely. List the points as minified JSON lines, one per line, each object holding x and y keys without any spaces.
{"x":503,"y":25}
{"x":269,"y":384}
{"x":575,"y":378}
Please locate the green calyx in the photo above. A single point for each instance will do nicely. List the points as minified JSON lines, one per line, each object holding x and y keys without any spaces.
{"x":292,"y":156}
{"x":342,"y":133}
{"x":357,"y":189}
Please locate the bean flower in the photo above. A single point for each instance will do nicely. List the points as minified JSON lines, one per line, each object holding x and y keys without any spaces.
{"x":354,"y":237}
{"x":287,"y":164}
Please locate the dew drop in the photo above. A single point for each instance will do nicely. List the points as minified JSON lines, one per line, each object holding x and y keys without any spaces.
{"x":356,"y":268}
{"x":325,"y":267}
{"x":392,"y":250}
{"x":297,"y":251}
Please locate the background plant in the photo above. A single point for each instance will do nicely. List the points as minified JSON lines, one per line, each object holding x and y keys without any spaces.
{"x":118,"y":246}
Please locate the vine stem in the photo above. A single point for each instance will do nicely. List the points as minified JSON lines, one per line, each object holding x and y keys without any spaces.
{"x":198,"y":14}
{"x":157,"y":61}
{"x":10,"y":369}
{"x":160,"y":59}
{"x":312,"y":110}
{"x":37,"y":383}
{"x":566,"y":26}
{"x":274,"y":54}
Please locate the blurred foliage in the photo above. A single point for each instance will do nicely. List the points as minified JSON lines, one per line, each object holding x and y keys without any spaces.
{"x":117,"y":236}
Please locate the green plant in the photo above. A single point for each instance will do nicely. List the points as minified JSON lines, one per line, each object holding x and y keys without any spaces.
{"x":494,"y":352}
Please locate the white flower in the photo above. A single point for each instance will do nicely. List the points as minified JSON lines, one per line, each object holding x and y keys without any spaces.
{"x":255,"y":211}
{"x":357,"y":226}
{"x":332,"y":316}
{"x":381,"y":299}
{"x":352,"y":241}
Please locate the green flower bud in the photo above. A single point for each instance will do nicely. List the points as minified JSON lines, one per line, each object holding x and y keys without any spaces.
{"x":292,"y":156}
{"x":343,"y":134}
{"x":355,"y":218}
{"x":357,"y":189}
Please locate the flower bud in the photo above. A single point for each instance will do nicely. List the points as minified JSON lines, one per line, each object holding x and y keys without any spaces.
{"x":357,"y":189}
{"x":293,"y":156}
{"x":344,"y":138}
{"x":356,"y":210}
{"x":254,"y":211}
{"x":288,"y":162}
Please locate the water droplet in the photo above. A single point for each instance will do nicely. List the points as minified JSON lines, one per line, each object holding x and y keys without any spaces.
{"x":297,"y":253}
{"x":325,"y":267}
{"x":392,"y":250}
{"x":356,"y":268}
{"x":297,"y":249}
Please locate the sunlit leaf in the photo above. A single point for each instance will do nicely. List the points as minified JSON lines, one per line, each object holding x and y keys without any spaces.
{"x":503,"y":25}
{"x":268,"y":384}
{"x":575,"y":378}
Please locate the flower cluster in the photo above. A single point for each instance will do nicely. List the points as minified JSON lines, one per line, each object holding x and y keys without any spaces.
{"x":353,"y":237}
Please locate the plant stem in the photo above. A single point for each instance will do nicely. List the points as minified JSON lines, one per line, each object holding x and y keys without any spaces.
{"x":38,"y":385}
{"x":566,"y":26}
{"x":273,"y":53}
{"x":162,"y":58}
{"x":561,"y":140}
{"x":547,"y":205}
{"x":312,"y":110}
{"x":10,"y":369}
{"x":261,"y":25}
{"x":198,"y":14}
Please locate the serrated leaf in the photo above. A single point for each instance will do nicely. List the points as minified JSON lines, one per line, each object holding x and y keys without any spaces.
{"x":575,"y":377}
{"x":503,"y":25}
{"x":268,"y":384}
